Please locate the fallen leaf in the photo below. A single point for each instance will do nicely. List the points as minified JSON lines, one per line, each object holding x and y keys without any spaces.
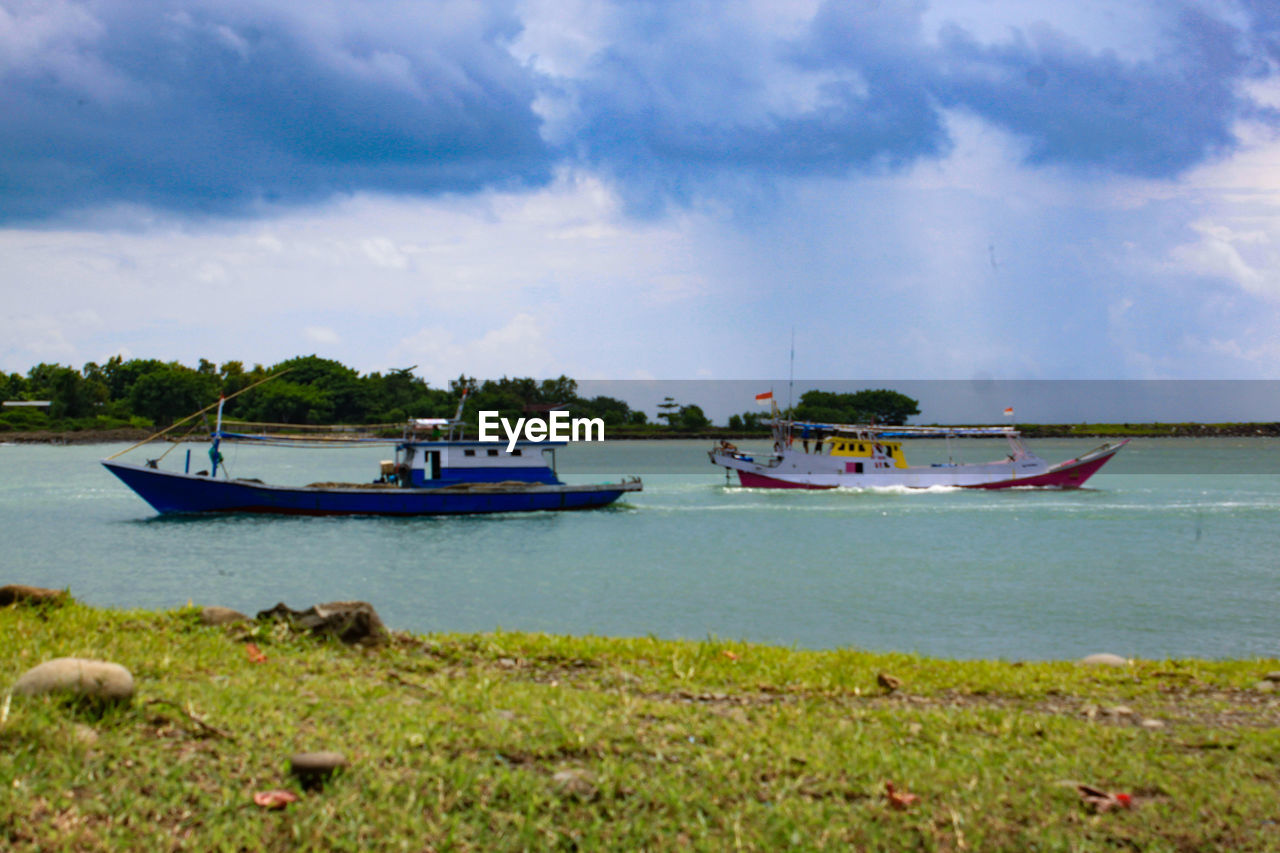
{"x":1102,"y":801}
{"x":276,"y":799}
{"x":730,"y":655}
{"x":255,"y":654}
{"x":900,"y":800}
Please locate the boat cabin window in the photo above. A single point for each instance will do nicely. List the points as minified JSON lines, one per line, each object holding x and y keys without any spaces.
{"x":516,"y":453}
{"x":468,"y":453}
{"x":493,"y":453}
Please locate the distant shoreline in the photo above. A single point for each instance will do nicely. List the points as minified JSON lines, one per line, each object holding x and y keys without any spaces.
{"x":1129,"y":430}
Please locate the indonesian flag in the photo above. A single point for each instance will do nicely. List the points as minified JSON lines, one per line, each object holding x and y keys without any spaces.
{"x":1008,"y":413}
{"x":764,"y":399}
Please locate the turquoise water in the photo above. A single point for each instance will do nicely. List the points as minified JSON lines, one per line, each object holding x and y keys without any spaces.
{"x":1171,"y":553}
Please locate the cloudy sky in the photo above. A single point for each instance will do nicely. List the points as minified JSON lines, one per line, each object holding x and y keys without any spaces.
{"x":625,"y":190}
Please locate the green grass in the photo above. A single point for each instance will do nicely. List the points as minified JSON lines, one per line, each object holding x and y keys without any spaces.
{"x":518,"y":741}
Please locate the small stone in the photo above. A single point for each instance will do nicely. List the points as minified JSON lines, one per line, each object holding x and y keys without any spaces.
{"x":575,"y":781}
{"x":92,"y":679}
{"x":888,"y":682}
{"x":353,"y":622}
{"x":1153,"y":724}
{"x":17,"y":593}
{"x":1265,"y":686}
{"x":85,"y":734}
{"x":215,"y":615}
{"x":313,"y":769}
{"x":1120,"y":711}
{"x":1104,"y":659}
{"x":1272,"y":676}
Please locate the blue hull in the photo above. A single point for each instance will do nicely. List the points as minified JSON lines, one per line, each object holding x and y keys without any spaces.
{"x":171,"y":492}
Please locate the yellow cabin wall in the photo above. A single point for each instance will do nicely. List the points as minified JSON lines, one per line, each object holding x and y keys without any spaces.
{"x":843,"y":447}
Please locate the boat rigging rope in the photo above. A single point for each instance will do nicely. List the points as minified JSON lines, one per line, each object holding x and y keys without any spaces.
{"x":176,"y":424}
{"x":174,"y":444}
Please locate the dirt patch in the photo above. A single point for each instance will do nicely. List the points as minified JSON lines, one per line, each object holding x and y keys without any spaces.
{"x":84,"y":436}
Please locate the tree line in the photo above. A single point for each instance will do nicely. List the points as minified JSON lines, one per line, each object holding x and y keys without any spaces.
{"x":311,"y":390}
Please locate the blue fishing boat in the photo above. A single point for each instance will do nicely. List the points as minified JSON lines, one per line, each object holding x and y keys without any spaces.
{"x":435,"y":472}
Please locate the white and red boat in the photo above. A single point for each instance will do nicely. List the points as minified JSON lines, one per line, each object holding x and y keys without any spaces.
{"x":809,"y":455}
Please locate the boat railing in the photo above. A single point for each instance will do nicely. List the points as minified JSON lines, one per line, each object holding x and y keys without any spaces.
{"x":900,"y":431}
{"x":437,"y":429}
{"x":306,"y":435}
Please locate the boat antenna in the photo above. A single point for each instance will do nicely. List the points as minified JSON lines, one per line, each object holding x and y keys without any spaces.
{"x":791,"y":377}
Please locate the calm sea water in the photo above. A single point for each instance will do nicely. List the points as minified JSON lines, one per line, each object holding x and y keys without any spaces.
{"x":1173,"y":552}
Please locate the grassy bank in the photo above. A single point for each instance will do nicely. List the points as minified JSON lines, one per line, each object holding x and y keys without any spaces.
{"x":514,"y":741}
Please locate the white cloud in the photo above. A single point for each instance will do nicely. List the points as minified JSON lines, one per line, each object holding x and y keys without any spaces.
{"x":519,"y":347}
{"x":322,"y":335}
{"x":384,"y":253}
{"x":1219,"y":253}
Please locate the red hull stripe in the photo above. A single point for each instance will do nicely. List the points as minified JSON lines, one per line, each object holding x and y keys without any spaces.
{"x":1066,"y":478}
{"x":759,"y":481}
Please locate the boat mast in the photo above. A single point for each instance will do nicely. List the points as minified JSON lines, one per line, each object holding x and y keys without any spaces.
{"x":791,"y":376}
{"x":214,"y":455}
{"x":457,"y":417}
{"x":791,"y":381}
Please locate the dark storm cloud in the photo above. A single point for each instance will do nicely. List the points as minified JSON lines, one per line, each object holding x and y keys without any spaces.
{"x":1070,"y":105}
{"x":1152,"y":118}
{"x":217,"y":107}
{"x":680,"y":104}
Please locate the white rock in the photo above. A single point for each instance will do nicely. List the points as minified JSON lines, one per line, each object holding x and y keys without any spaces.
{"x":80,"y":676}
{"x":1104,"y":659}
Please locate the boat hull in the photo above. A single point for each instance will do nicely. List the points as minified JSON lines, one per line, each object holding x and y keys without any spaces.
{"x":172,"y":493}
{"x":1071,"y":474}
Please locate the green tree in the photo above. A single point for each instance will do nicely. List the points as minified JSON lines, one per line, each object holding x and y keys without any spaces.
{"x":70,"y":396}
{"x":170,"y":392}
{"x":233,"y":377}
{"x":691,"y":417}
{"x":120,"y":375}
{"x":12,"y":387}
{"x":612,"y":411}
{"x":748,"y":421}
{"x":285,"y":402}
{"x":342,"y":396}
{"x":560,"y":390}
{"x":880,"y":406}
{"x":670,"y":410}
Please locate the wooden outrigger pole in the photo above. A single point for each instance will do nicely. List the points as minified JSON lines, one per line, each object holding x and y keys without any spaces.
{"x":217,"y":405}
